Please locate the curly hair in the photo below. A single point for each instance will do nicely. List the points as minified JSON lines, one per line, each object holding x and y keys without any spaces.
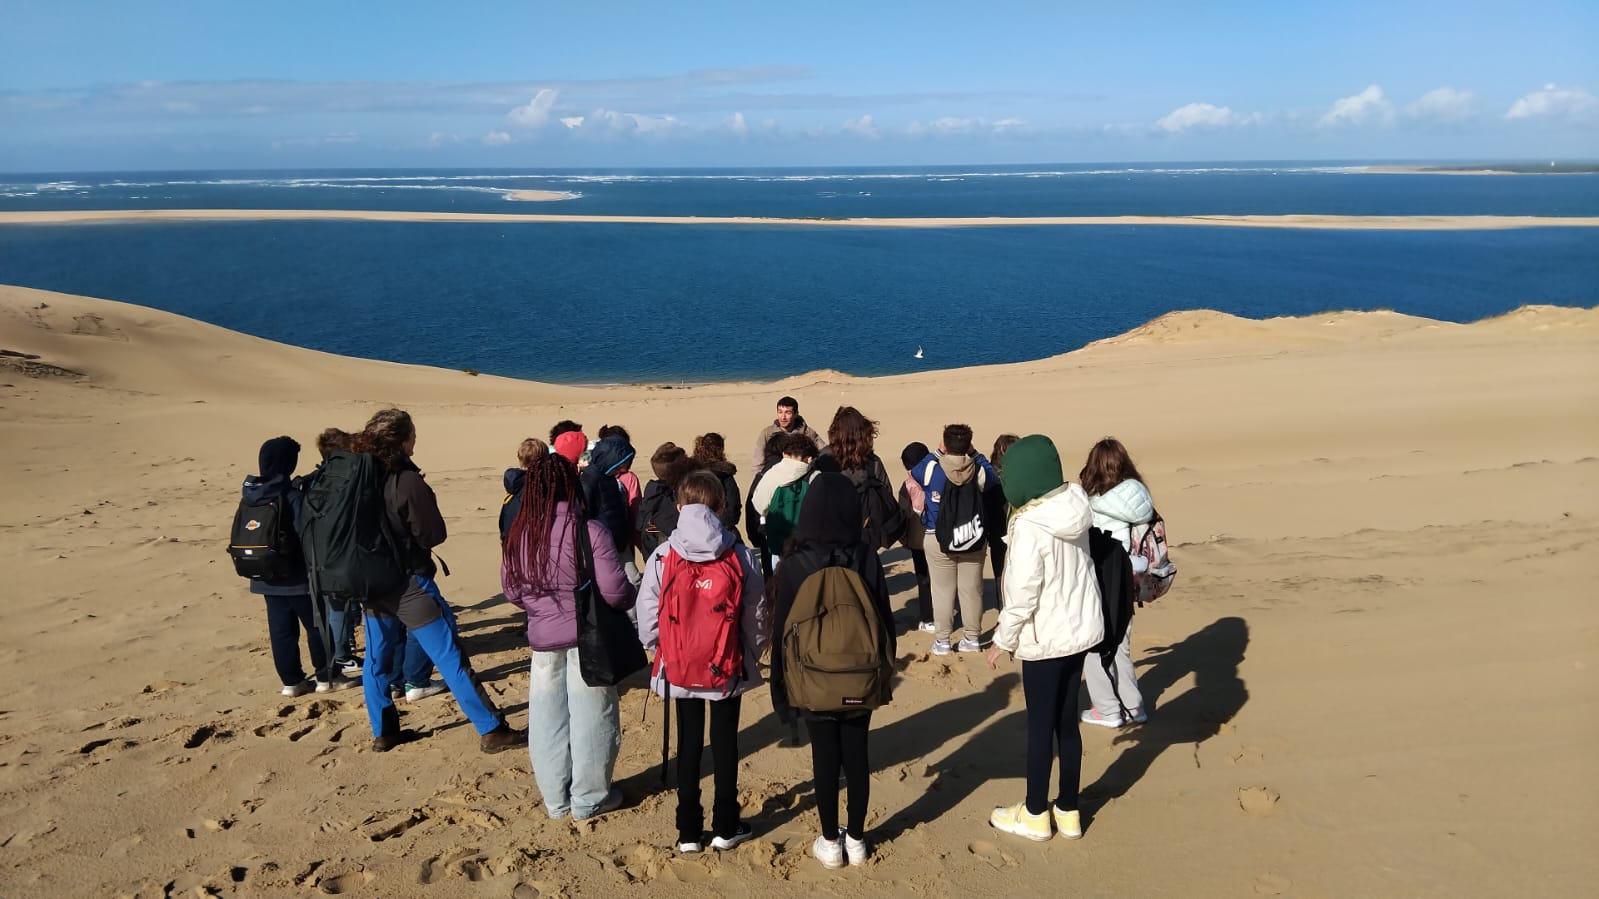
{"x":851,"y":438}
{"x":333,"y":440}
{"x":531,"y":450}
{"x":385,"y":435}
{"x":551,"y":480}
{"x":710,"y":449}
{"x":1108,"y":465}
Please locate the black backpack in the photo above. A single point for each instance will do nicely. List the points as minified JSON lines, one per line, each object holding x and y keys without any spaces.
{"x":1114,"y":570}
{"x":959,"y":527}
{"x":344,"y":529}
{"x":884,"y":520}
{"x":658,"y":514}
{"x":263,"y":544}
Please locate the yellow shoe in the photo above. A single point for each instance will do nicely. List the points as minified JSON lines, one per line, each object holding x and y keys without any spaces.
{"x":1016,"y":820}
{"x":1070,"y":824}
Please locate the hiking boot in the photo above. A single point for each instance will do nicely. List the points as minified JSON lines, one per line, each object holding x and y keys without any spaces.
{"x":299,"y":689}
{"x":350,"y":667}
{"x":854,"y":849}
{"x":501,"y":738}
{"x":1016,"y":820}
{"x":611,"y":802}
{"x":336,"y":684}
{"x":389,"y":741}
{"x":740,"y":834}
{"x":1069,"y":824}
{"x":414,"y":694}
{"x":940,"y":647}
{"x":967,"y":644}
{"x":829,"y":852}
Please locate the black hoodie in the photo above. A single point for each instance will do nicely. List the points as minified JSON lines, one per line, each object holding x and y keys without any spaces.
{"x":603,"y":494}
{"x":515,"y":478}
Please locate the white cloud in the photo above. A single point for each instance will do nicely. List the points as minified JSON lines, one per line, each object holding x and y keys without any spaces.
{"x":572,"y":122}
{"x":1572,"y":104}
{"x":1198,"y":115}
{"x":612,"y":123}
{"x":536,"y":114}
{"x":948,"y":126}
{"x":1444,"y":106}
{"x":737,"y":126}
{"x":496,"y":138}
{"x":861,"y":127}
{"x":1363,"y":108}
{"x":441,"y":138}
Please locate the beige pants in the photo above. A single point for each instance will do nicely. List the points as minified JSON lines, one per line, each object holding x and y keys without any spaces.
{"x":955,"y":576}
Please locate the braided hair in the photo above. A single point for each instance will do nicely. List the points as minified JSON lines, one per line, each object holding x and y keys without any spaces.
{"x":551,"y":480}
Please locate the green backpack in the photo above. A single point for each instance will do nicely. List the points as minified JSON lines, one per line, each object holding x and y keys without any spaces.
{"x":782,"y":513}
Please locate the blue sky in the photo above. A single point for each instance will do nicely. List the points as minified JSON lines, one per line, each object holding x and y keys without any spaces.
{"x":179,"y":85}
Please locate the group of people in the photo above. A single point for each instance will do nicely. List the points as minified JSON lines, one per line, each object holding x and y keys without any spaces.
{"x":576,"y":518}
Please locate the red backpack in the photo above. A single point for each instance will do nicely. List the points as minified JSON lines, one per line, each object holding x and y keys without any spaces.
{"x":700,"y":646}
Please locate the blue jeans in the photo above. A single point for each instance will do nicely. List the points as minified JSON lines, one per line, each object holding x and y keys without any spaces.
{"x":438,"y":642}
{"x":574,"y":733}
{"x":342,"y":619}
{"x":285,"y":616}
{"x":413,"y":668}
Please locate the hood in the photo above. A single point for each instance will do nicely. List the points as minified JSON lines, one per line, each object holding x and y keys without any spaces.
{"x":260,"y":489}
{"x":830,"y":514}
{"x":1062,"y":512}
{"x":786,"y":471}
{"x":279,"y":456}
{"x":723,"y":469}
{"x":699,"y":535}
{"x":958,"y":469}
{"x":514,"y":479}
{"x":1128,"y":502}
{"x":610,"y":454}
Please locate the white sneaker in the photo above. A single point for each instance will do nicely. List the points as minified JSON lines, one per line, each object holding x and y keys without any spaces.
{"x":926,"y":627}
{"x":689,"y":848}
{"x":299,"y":689}
{"x":1092,"y":716}
{"x":829,"y":852}
{"x":855,"y":849}
{"x":742,"y":833}
{"x":940,"y":647}
{"x":412,"y":694}
{"x":336,"y":684}
{"x":967,"y":644}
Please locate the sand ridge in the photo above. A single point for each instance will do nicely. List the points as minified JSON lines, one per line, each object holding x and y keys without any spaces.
{"x":1351,"y":696}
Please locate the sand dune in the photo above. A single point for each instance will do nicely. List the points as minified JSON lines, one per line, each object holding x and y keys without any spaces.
{"x":1314,"y":222}
{"x":1374,"y":676}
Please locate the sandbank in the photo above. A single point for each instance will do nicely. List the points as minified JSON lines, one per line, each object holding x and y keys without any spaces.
{"x":540,"y":196}
{"x":1314,"y":222}
{"x":1374,"y":676}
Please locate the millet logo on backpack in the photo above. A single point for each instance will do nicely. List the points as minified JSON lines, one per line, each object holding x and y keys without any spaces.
{"x":704,"y":585}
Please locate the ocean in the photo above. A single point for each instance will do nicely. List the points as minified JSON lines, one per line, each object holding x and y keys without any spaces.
{"x":614,"y":302}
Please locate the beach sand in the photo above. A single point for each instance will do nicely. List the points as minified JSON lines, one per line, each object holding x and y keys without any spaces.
{"x":1375,"y":675}
{"x":1314,"y":222}
{"x":540,"y":196}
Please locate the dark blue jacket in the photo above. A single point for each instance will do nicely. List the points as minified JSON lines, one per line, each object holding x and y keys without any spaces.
{"x":515,"y":479}
{"x":603,"y":494}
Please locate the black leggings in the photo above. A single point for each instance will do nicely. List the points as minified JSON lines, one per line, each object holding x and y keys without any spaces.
{"x":1050,"y":687}
{"x":924,"y":587}
{"x":840,"y":743}
{"x":724,"y":767}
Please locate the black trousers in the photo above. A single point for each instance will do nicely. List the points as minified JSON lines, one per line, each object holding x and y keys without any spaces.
{"x":1050,"y":687}
{"x":724,"y":767}
{"x":924,"y":586}
{"x":285,"y":616}
{"x":840,"y":743}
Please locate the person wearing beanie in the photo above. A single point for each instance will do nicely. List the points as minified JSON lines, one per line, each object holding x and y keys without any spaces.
{"x":572,"y":445}
{"x":1050,"y":620}
{"x":788,"y":421}
{"x":288,"y":600}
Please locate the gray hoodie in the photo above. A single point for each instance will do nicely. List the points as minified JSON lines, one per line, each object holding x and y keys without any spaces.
{"x":700,"y":537}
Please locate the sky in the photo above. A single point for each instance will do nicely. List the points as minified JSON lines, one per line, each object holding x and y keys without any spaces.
{"x":213,"y":85}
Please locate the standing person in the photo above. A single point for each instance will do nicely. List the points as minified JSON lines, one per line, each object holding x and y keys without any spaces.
{"x":913,"y":502}
{"x":576,"y":730}
{"x":1120,"y":502}
{"x":851,"y":441}
{"x":788,"y":421}
{"x":710,"y":451}
{"x":416,"y":524}
{"x":995,"y":513}
{"x":1051,"y":618}
{"x":780,"y":491}
{"x":701,"y":569}
{"x":288,"y":599}
{"x":603,"y":495}
{"x":753,"y":517}
{"x":531,"y":450}
{"x":567,"y":438}
{"x":828,"y":535}
{"x":955,"y":573}
{"x":342,"y":617}
{"x":634,"y":491}
{"x":658,"y":510}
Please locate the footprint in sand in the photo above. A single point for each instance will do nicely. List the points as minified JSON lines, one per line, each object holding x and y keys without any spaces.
{"x":466,"y":862}
{"x":1259,"y":802}
{"x":1272,"y":884}
{"x":347,"y":882}
{"x":992,"y":854}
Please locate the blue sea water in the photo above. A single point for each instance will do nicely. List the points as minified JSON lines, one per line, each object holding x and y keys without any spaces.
{"x":632,"y":302}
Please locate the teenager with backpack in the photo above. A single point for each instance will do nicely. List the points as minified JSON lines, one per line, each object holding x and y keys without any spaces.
{"x":834,"y":660}
{"x":996,"y":511}
{"x":781,"y":490}
{"x":702,"y":610}
{"x":710,"y":452}
{"x":344,"y":612}
{"x":1051,"y":618}
{"x":575,"y":729}
{"x":851,"y":441}
{"x":954,"y":480}
{"x":788,"y":421}
{"x":634,"y":492}
{"x":415,"y":525}
{"x":266,"y":548}
{"x":912,"y":503}
{"x":658,"y":508}
{"x":1120,"y":504}
{"x":603,"y":494}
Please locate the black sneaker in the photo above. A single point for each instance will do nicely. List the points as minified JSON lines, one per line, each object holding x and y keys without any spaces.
{"x":740,"y":834}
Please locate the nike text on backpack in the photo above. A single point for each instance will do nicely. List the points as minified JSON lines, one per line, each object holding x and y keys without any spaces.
{"x":345,"y":532}
{"x":959,"y":527}
{"x":700,"y":647}
{"x":834,"y":657}
{"x":1148,"y":542}
{"x":263,"y":545}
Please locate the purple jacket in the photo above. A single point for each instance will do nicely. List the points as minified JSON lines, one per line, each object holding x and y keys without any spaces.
{"x":552,"y":613}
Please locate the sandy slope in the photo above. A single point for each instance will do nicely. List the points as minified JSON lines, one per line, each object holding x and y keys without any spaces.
{"x":1374,"y":677}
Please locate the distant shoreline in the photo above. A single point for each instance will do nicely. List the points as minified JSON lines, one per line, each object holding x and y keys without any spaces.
{"x":1485,"y":169}
{"x":1314,"y":222}
{"x":541,"y":196}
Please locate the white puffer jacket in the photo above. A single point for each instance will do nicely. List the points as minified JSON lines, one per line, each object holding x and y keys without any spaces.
{"x":1052,"y":605}
{"x":1119,"y":508}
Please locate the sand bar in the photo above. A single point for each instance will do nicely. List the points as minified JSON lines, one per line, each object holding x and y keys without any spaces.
{"x":541,"y":196}
{"x":1316,"y":222}
{"x":1374,"y":676}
